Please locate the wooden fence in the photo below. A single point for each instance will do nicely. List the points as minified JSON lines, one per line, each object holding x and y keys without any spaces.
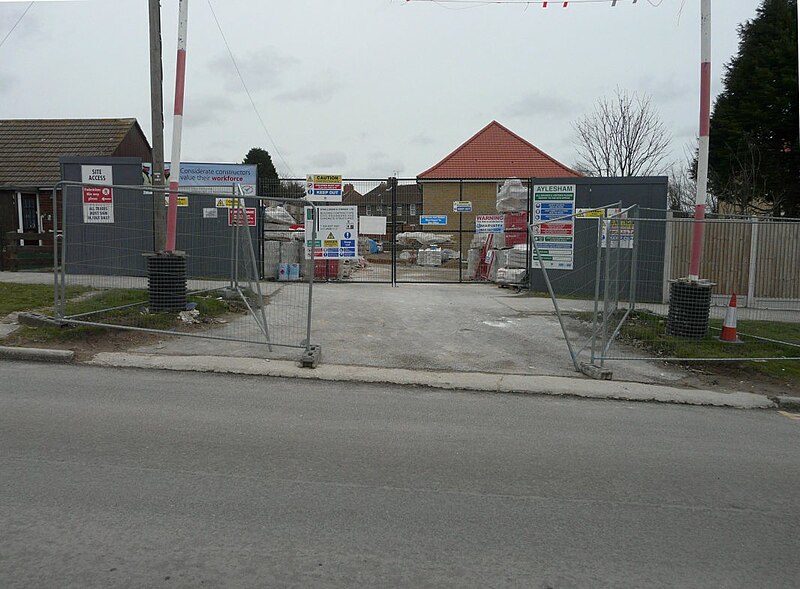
{"x":754,"y":258}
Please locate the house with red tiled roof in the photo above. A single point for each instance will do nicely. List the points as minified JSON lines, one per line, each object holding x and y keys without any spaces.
{"x":476,"y":170}
{"x":493,"y":153}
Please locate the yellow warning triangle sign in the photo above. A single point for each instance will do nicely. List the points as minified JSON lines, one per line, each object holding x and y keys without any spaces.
{"x":331,"y":236}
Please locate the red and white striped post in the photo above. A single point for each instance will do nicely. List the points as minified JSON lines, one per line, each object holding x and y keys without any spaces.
{"x":177,"y":125}
{"x":702,"y":155}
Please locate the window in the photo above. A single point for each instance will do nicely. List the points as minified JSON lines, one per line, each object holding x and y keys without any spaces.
{"x":369,"y":211}
{"x":30,"y":214}
{"x":400,"y":210}
{"x":379,"y":210}
{"x":412,"y":210}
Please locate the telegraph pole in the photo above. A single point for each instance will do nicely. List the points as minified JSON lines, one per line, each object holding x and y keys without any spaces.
{"x":157,"y":124}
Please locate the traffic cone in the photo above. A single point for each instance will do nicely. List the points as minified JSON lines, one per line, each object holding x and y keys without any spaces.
{"x":728,"y":334}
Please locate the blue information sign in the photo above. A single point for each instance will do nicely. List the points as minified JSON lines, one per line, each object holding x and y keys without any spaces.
{"x":433,"y":219}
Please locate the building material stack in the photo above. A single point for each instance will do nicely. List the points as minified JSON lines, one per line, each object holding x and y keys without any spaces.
{"x":512,"y":254}
{"x":283,"y":245}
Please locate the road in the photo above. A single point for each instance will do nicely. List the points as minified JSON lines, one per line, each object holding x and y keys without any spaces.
{"x":112,"y":478}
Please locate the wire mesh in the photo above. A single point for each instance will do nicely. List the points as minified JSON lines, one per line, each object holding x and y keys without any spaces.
{"x":745,"y":307}
{"x":215,"y":286}
{"x":585,"y":285}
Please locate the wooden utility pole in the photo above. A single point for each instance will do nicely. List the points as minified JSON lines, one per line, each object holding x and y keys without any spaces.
{"x":157,"y":121}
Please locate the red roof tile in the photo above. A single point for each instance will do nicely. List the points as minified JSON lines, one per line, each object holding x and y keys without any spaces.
{"x":494,"y":152}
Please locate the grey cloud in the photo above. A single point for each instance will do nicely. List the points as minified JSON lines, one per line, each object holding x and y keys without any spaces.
{"x":329,"y":159}
{"x":206,"y":110}
{"x":6,"y":82}
{"x":318,"y":93}
{"x":382,"y":164}
{"x":537,"y":104}
{"x":422,"y":139}
{"x":260,"y":69}
{"x":665,"y":90}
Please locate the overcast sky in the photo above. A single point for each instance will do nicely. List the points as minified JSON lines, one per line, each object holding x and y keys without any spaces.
{"x":363,"y":87}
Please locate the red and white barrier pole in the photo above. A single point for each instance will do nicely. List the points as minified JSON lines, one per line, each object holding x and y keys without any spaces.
{"x":177,"y":125}
{"x":702,"y":155}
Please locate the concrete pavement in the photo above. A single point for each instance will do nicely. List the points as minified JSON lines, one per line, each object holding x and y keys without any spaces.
{"x":476,"y":381}
{"x":451,"y":336}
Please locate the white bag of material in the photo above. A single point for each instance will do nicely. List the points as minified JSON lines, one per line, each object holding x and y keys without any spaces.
{"x":278,"y":215}
{"x":512,"y":197}
{"x":423,"y":238}
{"x":517,"y":256}
{"x":473,"y":259}
{"x":481,"y":239}
{"x":515,"y":275}
{"x":448,"y":254}
{"x":429,"y":257}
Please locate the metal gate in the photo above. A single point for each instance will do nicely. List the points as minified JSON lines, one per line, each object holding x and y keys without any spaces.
{"x":409,"y":250}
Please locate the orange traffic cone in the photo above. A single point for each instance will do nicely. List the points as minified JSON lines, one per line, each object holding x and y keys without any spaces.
{"x":728,"y":334}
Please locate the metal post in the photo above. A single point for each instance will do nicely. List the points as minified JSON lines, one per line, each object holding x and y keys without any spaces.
{"x":63,"y":285}
{"x":597,"y":284}
{"x":393,"y":184}
{"x":529,"y":251}
{"x":313,"y":220}
{"x":234,"y":236}
{"x":555,"y":305}
{"x":157,"y":125}
{"x":751,"y":275}
{"x":177,"y":124}
{"x":55,"y":252}
{"x":698,"y":230}
{"x":634,"y":257}
{"x":606,"y":224}
{"x":667,"y":272}
{"x":460,"y":228}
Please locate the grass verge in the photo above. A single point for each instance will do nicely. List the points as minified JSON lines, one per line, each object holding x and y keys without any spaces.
{"x":121,"y":307}
{"x":26,"y":297}
{"x":647,"y":331}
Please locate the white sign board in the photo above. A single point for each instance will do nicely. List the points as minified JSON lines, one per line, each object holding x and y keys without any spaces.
{"x":337,"y":232}
{"x":622,"y":229}
{"x":489,"y":223}
{"x":324,"y":188}
{"x":553,"y":227}
{"x":98,"y":201}
{"x":462,"y":206}
{"x":372,"y":225}
{"x":210,"y":178}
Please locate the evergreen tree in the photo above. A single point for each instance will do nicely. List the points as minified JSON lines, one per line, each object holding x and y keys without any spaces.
{"x":263,"y":161}
{"x":754,"y":155}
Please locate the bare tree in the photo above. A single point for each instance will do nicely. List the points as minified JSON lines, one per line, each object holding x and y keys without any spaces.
{"x":682,"y":187}
{"x":622,"y":136}
{"x":745,"y":188}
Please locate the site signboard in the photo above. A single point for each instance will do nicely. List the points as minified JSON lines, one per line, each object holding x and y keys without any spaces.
{"x":98,"y":201}
{"x":336,"y":232}
{"x":553,"y":225}
{"x":324,"y":188}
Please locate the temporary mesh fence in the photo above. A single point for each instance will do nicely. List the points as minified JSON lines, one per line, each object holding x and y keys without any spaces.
{"x":746,"y":307}
{"x":566,"y":265}
{"x":212,"y":287}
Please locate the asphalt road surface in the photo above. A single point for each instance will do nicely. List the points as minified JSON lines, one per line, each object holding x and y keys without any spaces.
{"x":117,"y":478}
